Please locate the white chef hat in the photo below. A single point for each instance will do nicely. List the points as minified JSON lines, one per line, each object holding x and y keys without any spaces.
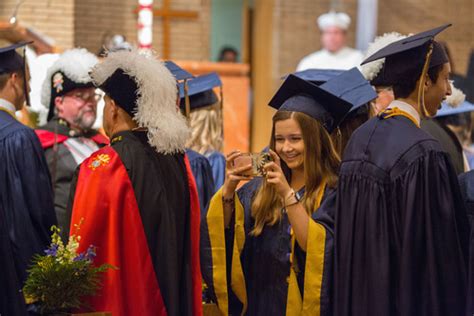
{"x":333,"y":18}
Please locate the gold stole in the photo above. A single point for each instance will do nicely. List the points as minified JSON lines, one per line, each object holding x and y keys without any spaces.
{"x":310,"y":305}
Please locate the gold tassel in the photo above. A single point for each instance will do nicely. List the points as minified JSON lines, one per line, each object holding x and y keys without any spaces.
{"x":187,"y":105}
{"x":421,"y":90}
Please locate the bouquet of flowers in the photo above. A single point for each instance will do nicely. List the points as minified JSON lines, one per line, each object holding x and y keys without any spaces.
{"x":59,"y":280}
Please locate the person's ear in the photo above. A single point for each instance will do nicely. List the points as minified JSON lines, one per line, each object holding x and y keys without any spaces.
{"x":114,"y":108}
{"x":58,"y":104}
{"x":428,"y":82}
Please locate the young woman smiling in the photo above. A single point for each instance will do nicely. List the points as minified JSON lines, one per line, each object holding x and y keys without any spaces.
{"x":255,"y":242}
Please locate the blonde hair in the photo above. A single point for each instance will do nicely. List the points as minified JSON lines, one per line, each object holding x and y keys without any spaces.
{"x":321,"y":163}
{"x":206,"y":129}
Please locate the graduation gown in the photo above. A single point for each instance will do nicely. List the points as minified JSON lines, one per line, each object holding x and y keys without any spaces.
{"x":401,"y":233}
{"x":448,"y":141}
{"x":26,"y":196}
{"x":217,"y":162}
{"x":250,"y":273}
{"x":11,"y":299}
{"x":466,"y":183}
{"x":62,"y":164}
{"x":141,"y":210}
{"x":203,"y":175}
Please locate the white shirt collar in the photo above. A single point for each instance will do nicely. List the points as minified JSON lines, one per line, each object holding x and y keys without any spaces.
{"x":405,"y":107}
{"x":7,"y":106}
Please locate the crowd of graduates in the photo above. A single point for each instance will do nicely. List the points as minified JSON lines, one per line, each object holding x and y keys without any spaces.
{"x":357,"y":209}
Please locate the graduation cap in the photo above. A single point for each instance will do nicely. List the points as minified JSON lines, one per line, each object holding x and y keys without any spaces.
{"x":178,"y":72}
{"x":446,"y":109}
{"x":352,"y":87}
{"x":409,"y":59}
{"x":299,"y":95}
{"x":406,"y":57}
{"x":11,"y":61}
{"x":200,"y":91}
{"x":317,"y":76}
{"x":181,"y":75}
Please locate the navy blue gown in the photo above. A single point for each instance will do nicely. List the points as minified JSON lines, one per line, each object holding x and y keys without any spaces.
{"x":466,"y":183}
{"x":401,"y":232}
{"x":202,"y":173}
{"x":26,"y":196}
{"x":217,"y":162}
{"x":11,"y":299}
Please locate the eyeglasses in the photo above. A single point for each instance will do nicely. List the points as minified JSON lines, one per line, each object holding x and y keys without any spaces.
{"x":85,"y":96}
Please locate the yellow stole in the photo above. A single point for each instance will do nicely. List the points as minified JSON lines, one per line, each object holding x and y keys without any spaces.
{"x":6,"y":111}
{"x":310,"y":305}
{"x":215,"y":225}
{"x":310,"y":302}
{"x":397,"y":112}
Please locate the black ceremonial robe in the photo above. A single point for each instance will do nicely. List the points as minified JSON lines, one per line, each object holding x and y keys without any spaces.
{"x":401,"y":232}
{"x":466,"y":182}
{"x":140,"y":209}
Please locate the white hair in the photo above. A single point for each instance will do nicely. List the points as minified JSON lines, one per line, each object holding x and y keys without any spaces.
{"x":156,"y":97}
{"x":75,"y":64}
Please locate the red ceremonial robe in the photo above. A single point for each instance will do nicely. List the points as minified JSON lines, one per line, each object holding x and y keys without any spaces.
{"x":106,"y":201}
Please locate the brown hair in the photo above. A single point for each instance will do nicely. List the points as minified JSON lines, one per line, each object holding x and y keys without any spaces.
{"x":340,"y":137}
{"x":5,"y":77}
{"x":321,"y":163}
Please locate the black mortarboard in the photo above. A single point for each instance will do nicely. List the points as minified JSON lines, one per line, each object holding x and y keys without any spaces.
{"x":404,"y":59}
{"x":11,"y":61}
{"x":178,"y":72}
{"x":317,"y":76}
{"x":299,"y":95}
{"x":352,"y":87}
{"x":123,"y":89}
{"x":200,"y":91}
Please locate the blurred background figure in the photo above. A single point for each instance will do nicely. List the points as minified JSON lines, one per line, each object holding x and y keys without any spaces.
{"x":113,"y":43}
{"x":228,"y":54}
{"x":334,"y":53}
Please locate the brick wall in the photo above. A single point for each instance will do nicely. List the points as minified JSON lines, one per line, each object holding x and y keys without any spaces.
{"x":422,"y":15}
{"x":94,"y":20}
{"x":296,"y":31}
{"x":297,"y":35}
{"x":85,"y":23}
{"x":53,"y":18}
{"x":189,"y":38}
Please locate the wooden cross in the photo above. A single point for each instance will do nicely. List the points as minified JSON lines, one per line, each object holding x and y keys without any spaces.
{"x":166,"y":14}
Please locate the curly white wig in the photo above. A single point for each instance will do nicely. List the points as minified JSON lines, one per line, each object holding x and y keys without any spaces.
{"x":156,"y":107}
{"x":371,"y":70}
{"x":75,"y":64}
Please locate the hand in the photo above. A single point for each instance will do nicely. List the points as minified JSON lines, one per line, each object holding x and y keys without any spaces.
{"x":276,"y":177}
{"x":233,"y":176}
